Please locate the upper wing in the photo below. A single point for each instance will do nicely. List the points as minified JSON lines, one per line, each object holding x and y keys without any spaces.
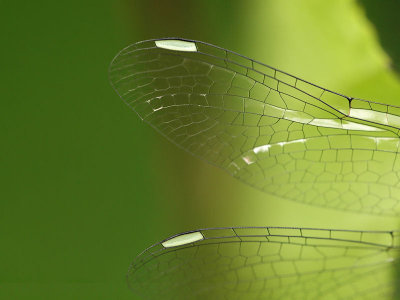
{"x":272,"y":130}
{"x":269,"y":263}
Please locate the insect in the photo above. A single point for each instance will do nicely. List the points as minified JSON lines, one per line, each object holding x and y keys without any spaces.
{"x":282,"y":135}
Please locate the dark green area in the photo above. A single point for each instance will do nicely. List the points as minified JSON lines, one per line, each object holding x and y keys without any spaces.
{"x":79,"y":195}
{"x":385,"y":17}
{"x":78,"y":199}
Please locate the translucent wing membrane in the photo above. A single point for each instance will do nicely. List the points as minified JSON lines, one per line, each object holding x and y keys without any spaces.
{"x":267,"y":128}
{"x":270,"y":263}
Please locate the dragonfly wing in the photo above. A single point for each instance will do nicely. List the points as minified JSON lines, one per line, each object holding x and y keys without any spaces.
{"x":269,"y":263}
{"x":269,"y":129}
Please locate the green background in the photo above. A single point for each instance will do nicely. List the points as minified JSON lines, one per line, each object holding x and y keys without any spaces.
{"x":86,"y":185}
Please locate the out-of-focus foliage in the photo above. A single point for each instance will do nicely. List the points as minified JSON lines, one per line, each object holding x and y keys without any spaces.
{"x":385,"y":17}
